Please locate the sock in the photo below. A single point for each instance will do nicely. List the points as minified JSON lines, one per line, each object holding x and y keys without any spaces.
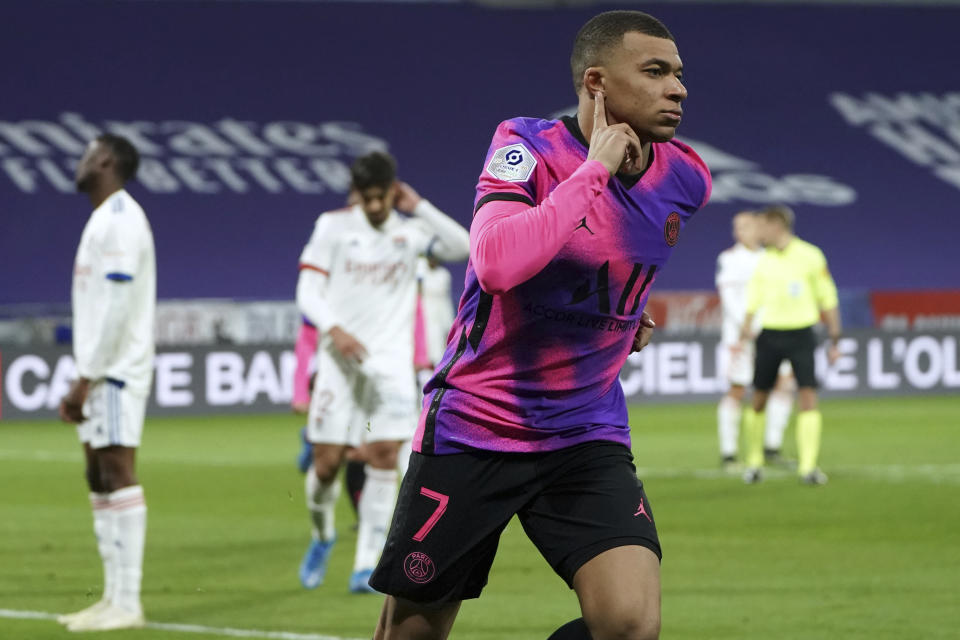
{"x":375,"y":509}
{"x":321,"y":503}
{"x":356,"y":476}
{"x":573,"y":630}
{"x":403,"y":457}
{"x":728,"y":426}
{"x":779,"y":407}
{"x":103,"y":528}
{"x":753,"y":422}
{"x":809,"y":425}
{"x":130,"y":512}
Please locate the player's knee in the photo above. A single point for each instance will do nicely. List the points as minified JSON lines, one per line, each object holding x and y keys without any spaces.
{"x":807,"y":399}
{"x":92,"y":475}
{"x":113,"y":479}
{"x":627,"y":623}
{"x":326,"y":463}
{"x":383,"y":456}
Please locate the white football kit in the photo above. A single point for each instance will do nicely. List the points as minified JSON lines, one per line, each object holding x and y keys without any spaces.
{"x":363,"y":279}
{"x":735,"y":266}
{"x":114,"y":297}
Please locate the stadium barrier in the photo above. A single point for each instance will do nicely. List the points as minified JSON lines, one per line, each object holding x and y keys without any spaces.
{"x":194,"y":380}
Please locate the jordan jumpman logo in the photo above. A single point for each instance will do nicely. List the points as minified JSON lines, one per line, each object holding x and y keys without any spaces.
{"x":642,"y":510}
{"x":583,"y":225}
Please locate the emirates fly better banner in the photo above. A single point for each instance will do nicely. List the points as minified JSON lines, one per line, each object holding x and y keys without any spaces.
{"x":249,"y":114}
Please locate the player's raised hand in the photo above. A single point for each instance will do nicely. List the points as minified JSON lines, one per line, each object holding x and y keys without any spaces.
{"x":615,"y":146}
{"x":644,"y":332}
{"x":407,"y":197}
{"x":347,"y":346}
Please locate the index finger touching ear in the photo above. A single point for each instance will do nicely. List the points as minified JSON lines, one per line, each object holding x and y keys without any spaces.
{"x":599,"y":111}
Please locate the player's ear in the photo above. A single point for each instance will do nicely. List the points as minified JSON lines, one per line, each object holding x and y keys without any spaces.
{"x":593,"y":80}
{"x":105,"y":161}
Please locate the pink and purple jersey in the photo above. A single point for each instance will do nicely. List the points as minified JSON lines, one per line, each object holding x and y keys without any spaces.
{"x":533,"y":364}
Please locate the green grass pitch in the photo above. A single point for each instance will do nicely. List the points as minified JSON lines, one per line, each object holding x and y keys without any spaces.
{"x":875,"y":554}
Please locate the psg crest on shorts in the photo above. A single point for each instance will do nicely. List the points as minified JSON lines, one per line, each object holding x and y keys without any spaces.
{"x":419,"y":567}
{"x":671,"y":228}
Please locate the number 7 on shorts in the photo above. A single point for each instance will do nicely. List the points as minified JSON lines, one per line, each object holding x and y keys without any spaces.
{"x":435,"y":516}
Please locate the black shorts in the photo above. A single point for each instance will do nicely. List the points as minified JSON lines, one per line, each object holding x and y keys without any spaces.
{"x":574,"y":504}
{"x":774,"y":346}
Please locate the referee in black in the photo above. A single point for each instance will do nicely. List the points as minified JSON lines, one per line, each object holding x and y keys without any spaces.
{"x":790,"y":288}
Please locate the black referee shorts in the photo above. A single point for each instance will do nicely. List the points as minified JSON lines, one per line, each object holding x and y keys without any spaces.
{"x":574,"y":504}
{"x":774,"y":346}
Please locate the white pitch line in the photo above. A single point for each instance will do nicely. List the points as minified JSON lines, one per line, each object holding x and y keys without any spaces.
{"x":190,"y":628}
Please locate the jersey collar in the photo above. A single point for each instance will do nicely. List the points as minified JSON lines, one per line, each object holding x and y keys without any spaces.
{"x":627,"y":180}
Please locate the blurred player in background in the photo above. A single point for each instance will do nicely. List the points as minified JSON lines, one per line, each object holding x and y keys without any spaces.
{"x":358,"y":286}
{"x":305,"y":350}
{"x":525,"y":414}
{"x":790,"y":287}
{"x":735,"y":266}
{"x":436,"y":312}
{"x":114,"y":296}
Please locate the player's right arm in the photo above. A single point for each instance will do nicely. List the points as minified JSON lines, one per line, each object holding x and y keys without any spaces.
{"x":512,"y":237}
{"x":313,"y":286}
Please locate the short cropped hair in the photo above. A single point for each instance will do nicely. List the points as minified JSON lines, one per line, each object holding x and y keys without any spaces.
{"x":779,"y":213}
{"x":126,"y":160}
{"x":605,"y":31}
{"x":376,"y":169}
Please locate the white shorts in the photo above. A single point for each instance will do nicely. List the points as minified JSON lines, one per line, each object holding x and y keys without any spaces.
{"x":740,"y":365}
{"x":353,"y":405}
{"x":114,"y":416}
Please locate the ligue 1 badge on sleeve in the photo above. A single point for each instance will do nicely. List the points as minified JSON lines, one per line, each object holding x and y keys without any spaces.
{"x":514,"y":163}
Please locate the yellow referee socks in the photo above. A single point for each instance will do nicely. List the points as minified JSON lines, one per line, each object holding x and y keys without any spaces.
{"x":809,"y":425}
{"x":753,"y":426}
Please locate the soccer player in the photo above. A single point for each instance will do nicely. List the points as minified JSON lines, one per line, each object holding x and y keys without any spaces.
{"x":114,"y":295}
{"x":357,"y":284}
{"x":735,"y":266}
{"x":305,"y":350}
{"x":791,"y":286}
{"x":525,"y":414}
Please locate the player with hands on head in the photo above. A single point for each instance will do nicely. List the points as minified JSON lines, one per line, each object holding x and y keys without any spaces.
{"x":357,"y":284}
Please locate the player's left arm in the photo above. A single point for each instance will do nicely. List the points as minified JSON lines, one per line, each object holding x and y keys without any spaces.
{"x":825,"y":290}
{"x":448,"y":241}
{"x":119,"y":265}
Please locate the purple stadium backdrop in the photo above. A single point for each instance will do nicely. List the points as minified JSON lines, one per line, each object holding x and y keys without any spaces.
{"x":249,"y":114}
